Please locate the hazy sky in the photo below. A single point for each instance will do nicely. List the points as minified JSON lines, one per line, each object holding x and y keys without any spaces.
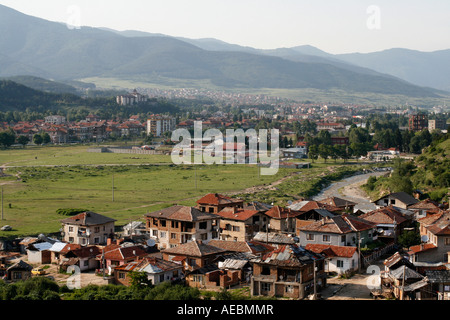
{"x":335,"y":26}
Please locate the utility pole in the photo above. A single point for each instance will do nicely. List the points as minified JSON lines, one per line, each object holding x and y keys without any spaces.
{"x":315,"y":286}
{"x":113,"y":188}
{"x":2,"y":203}
{"x":359,"y":251}
{"x":403,"y":283}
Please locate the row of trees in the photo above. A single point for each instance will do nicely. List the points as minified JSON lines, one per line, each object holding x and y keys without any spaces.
{"x":8,"y":138}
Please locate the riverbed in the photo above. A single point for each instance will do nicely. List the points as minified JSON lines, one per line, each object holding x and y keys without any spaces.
{"x":349,"y":189}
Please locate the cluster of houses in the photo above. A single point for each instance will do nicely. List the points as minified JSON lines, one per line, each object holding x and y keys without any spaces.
{"x":288,"y":251}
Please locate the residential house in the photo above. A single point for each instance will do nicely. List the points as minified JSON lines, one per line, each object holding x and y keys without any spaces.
{"x":177,"y":225}
{"x":343,"y":204}
{"x":214,"y":202}
{"x":237,"y":224}
{"x":339,"y":259}
{"x":288,"y":271}
{"x":398,"y":199}
{"x":436,"y":246}
{"x":282,"y":219}
{"x":193,"y":255}
{"x":39,"y":252}
{"x":440,"y":283}
{"x":401,"y":277}
{"x":343,"y":230}
{"x":274,"y":239}
{"x":18,"y":271}
{"x":390,"y":222}
{"x":84,"y":257}
{"x":311,"y":216}
{"x":60,"y":249}
{"x":156,"y":269}
{"x":114,"y":255}
{"x":307,"y":205}
{"x":421,"y":208}
{"x":88,"y":228}
{"x":253,"y":247}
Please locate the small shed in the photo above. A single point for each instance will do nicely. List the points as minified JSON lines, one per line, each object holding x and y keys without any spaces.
{"x":19,"y":271}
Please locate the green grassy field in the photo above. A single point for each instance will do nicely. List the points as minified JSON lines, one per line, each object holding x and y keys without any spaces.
{"x":79,"y":179}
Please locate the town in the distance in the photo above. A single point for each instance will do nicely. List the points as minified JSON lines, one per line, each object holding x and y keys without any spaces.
{"x":394,"y":244}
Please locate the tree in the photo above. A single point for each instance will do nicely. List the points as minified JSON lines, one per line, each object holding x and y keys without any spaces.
{"x":37,"y":139}
{"x":324,"y":151}
{"x":23,"y":140}
{"x":409,"y":238}
{"x":324,"y":137}
{"x":46,"y":138}
{"x":7,"y":138}
{"x":313,"y":152}
{"x":139,"y":280}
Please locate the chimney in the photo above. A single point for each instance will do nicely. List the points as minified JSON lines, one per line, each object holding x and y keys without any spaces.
{"x":108,"y":241}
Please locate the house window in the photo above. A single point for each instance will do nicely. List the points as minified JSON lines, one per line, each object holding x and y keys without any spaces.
{"x":392,"y":201}
{"x":203,"y":225}
{"x":447,"y":241}
{"x":265,"y":286}
{"x":86,"y":263}
{"x":96,"y":240}
{"x":70,"y":229}
{"x":163,"y":223}
{"x":17,"y":275}
{"x":71,"y":239}
{"x":326,"y":238}
{"x":265,"y":271}
{"x":310,"y":237}
{"x":340,"y":263}
{"x":162,"y":234}
{"x":343,"y":238}
{"x":289,"y":289}
{"x":236,"y":228}
{"x":204,"y":236}
{"x":211,"y":209}
{"x":173,"y":236}
{"x":155,"y":233}
{"x":175,"y":224}
{"x":97,"y":229}
{"x":161,"y":278}
{"x":121,"y":275}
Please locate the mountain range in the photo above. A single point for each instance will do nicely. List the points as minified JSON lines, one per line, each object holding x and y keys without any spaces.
{"x":37,"y":47}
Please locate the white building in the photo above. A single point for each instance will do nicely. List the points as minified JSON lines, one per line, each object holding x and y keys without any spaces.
{"x":55,"y":119}
{"x":157,"y":125}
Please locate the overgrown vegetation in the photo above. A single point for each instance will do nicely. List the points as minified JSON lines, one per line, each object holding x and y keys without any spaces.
{"x":429,"y":172}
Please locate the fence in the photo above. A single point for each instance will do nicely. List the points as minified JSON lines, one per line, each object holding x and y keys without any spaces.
{"x":123,"y":150}
{"x":376,"y":254}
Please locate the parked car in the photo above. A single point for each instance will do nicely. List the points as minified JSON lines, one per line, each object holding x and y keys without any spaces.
{"x":38,"y":271}
{"x":6,"y":228}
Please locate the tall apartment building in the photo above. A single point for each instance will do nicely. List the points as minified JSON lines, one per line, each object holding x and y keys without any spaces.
{"x":439,"y":124}
{"x":157,"y":125}
{"x":131,"y":98}
{"x":418,"y":122}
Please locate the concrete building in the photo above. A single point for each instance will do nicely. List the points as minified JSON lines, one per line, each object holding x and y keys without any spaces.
{"x":157,"y":125}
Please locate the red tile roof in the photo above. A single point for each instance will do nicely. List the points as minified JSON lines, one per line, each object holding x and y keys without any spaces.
{"x":216,"y":199}
{"x":278,"y":212}
{"x":232,"y":213}
{"x":332,"y":251}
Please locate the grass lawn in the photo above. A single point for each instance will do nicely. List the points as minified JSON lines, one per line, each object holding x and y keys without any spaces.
{"x":30,"y":206}
{"x":72,"y":155}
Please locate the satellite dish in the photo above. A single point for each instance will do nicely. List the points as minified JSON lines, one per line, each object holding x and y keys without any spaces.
{"x":151,"y":242}
{"x":289,"y":202}
{"x":424,"y":238}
